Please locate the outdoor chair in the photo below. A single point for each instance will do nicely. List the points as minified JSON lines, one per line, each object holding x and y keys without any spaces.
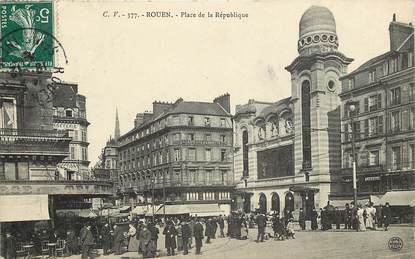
{"x":20,"y":251}
{"x":44,"y":249}
{"x":60,"y":247}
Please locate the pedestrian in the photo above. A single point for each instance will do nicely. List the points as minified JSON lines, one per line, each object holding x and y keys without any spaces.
{"x":314,"y":216}
{"x":192,"y":233}
{"x":87,"y":242}
{"x":387,"y":215}
{"x":118,"y":240}
{"x":354,"y":219}
{"x":301,"y":219}
{"x":371,"y":216}
{"x":131,"y":238}
{"x":106,"y":238}
{"x":198,"y":234}
{"x":179,"y":237}
{"x":215,"y":227}
{"x":379,"y":217}
{"x":154,"y":237}
{"x":290,"y":229}
{"x":360,"y":216}
{"x":244,"y":228}
{"x":337,"y":217}
{"x":71,"y":242}
{"x":186,"y":235}
{"x":145,"y":238}
{"x":208,"y":230}
{"x":9,"y":250}
{"x":170,"y":237}
{"x":261,"y":222}
{"x":347,"y":217}
{"x":323,"y":219}
{"x":221,"y":223}
{"x":53,"y":238}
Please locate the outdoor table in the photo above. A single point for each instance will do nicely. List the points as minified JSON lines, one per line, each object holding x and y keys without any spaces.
{"x":28,"y":247}
{"x":52,"y":249}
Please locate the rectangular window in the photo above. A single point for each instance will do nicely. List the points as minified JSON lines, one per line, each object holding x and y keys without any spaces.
{"x":385,"y":68}
{"x":410,"y":59}
{"x":356,"y":129}
{"x":72,"y":153}
{"x":224,"y":176}
{"x":10,"y":170}
{"x":351,"y":83}
{"x":190,"y":120}
{"x":207,"y":121}
{"x":393,"y":65}
{"x":380,"y":125}
{"x":223,"y":138}
{"x":208,"y":137}
{"x":176,"y":137}
{"x":223,"y":155}
{"x":8,"y":113}
{"x":412,"y":118}
{"x":208,"y":155}
{"x":209,"y":179}
{"x":395,"y":121}
{"x":374,"y":157}
{"x":222,"y":122}
{"x":190,"y":136}
{"x":412,"y":156}
{"x":396,"y":96}
{"x":396,"y":158}
{"x":372,"y":75}
{"x":192,"y":154}
{"x":373,"y":126}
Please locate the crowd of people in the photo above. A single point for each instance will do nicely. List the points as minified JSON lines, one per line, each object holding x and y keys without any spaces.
{"x":183,"y":233}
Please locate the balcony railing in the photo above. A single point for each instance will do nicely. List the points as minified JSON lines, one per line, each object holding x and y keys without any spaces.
{"x":401,"y":166}
{"x":29,"y":141}
{"x":362,"y":169}
{"x":199,"y":142}
{"x":145,"y":186}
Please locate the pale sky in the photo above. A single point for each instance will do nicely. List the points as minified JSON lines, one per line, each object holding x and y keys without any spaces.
{"x":129,"y":63}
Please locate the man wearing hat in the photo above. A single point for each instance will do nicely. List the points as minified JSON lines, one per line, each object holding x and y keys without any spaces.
{"x":198,"y":234}
{"x":145,"y":238}
{"x":186,"y":235}
{"x":87,"y":242}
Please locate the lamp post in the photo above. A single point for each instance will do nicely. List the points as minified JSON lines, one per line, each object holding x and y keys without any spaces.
{"x":352,"y":108}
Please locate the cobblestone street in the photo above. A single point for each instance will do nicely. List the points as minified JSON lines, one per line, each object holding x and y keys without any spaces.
{"x":308,"y":244}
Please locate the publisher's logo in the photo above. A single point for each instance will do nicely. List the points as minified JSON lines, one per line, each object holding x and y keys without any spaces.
{"x":395,"y":243}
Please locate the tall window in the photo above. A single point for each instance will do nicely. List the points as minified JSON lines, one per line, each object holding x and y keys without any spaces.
{"x":191,"y":136}
{"x":222,"y":122}
{"x":223,"y":155}
{"x":245,"y":153}
{"x":208,"y":137}
{"x":190,"y":120}
{"x":192,"y":154}
{"x":412,"y":156}
{"x":177,"y":154}
{"x":306,"y":123}
{"x":72,"y":155}
{"x":373,"y":103}
{"x":374,"y":157}
{"x":8,"y":113}
{"x":395,"y":121}
{"x":372,"y":76}
{"x":208,"y":154}
{"x":396,"y":158}
{"x":396,"y":96}
{"x":351,"y":83}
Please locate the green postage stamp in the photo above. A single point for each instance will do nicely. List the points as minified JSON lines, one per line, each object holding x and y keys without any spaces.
{"x":26,"y":34}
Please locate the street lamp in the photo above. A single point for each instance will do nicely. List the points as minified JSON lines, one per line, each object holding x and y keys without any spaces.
{"x":352,"y":107}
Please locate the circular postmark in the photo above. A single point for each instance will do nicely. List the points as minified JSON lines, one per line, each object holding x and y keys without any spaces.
{"x":395,"y":243}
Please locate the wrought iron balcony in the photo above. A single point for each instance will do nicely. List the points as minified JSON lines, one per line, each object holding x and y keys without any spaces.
{"x":34,"y":142}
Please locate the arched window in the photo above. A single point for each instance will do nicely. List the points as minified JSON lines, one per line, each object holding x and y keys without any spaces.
{"x":306,"y":123}
{"x":245,"y":153}
{"x":262,"y":203}
{"x":275,"y":202}
{"x":289,"y":201}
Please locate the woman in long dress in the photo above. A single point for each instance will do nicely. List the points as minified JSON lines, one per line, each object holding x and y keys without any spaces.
{"x":244,"y":228}
{"x":371,"y":213}
{"x":360,"y":218}
{"x":132,"y":240}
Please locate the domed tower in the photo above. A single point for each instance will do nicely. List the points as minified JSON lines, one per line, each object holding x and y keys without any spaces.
{"x":315,"y":87}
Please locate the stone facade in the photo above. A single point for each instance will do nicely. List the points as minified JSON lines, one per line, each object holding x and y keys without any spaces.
{"x":313,"y":112}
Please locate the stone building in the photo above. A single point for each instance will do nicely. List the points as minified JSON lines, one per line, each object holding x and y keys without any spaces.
{"x":285,"y":155}
{"x":383,"y":93}
{"x":181,"y":153}
{"x":69,"y":114}
{"x":30,"y":150}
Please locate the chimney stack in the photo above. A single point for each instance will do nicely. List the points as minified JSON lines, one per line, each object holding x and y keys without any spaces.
{"x":398,"y":33}
{"x":224,"y":101}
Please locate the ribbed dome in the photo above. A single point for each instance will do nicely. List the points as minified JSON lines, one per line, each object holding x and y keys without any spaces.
{"x":317,"y":19}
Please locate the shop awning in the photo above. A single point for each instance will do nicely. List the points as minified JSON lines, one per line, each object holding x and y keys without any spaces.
{"x":125,"y":209}
{"x":24,"y":208}
{"x":399,"y":198}
{"x":139,"y":210}
{"x":201,"y":210}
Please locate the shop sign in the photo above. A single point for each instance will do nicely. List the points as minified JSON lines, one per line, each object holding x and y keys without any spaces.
{"x":56,"y":188}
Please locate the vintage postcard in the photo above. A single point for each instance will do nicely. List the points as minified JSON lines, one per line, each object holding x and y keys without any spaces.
{"x":212,"y":129}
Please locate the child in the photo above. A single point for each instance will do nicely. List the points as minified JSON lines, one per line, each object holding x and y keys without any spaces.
{"x":290,"y":228}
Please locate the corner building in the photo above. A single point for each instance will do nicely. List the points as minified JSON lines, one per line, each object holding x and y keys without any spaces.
{"x":383,"y":91}
{"x":179,"y":154}
{"x":286,"y":151}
